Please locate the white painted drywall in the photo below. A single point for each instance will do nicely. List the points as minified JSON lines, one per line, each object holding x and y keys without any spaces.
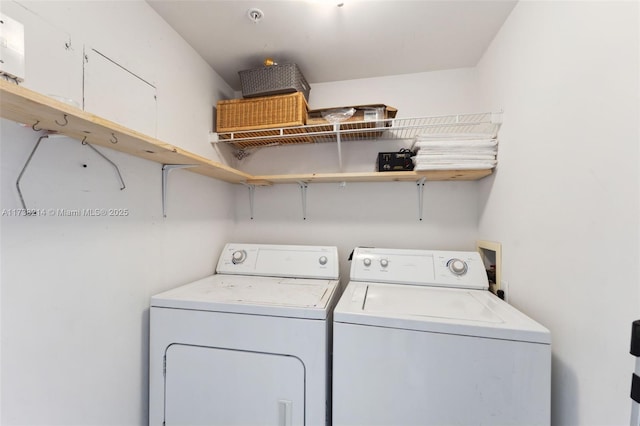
{"x":564,"y":203}
{"x":74,"y":291}
{"x":564,"y":200}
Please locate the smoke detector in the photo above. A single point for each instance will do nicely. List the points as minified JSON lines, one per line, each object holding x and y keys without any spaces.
{"x":255,"y":15}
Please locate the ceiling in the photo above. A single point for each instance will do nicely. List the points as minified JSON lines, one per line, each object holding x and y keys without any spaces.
{"x":360,"y":39}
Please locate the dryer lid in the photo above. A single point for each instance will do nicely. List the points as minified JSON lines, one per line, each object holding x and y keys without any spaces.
{"x":286,"y":297}
{"x":466,"y":312}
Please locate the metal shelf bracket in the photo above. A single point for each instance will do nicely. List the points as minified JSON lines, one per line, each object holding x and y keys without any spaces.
{"x":252,"y":190}
{"x":420,"y":186}
{"x":303,"y":192}
{"x":35,"y":148}
{"x":166,"y":168}
{"x":122,"y":185}
{"x":336,"y":129}
{"x":24,"y":169}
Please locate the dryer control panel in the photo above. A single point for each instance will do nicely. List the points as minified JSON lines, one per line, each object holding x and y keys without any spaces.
{"x":279,"y":261}
{"x":419,"y":267}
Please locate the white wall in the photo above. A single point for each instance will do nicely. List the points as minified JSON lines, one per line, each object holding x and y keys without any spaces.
{"x":74,"y":291}
{"x":564,"y":201}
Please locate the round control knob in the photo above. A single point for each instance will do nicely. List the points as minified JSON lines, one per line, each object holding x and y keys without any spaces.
{"x":323,"y":260}
{"x":366,"y":261}
{"x":384,"y":263}
{"x":238,"y":256}
{"x":457,"y":266}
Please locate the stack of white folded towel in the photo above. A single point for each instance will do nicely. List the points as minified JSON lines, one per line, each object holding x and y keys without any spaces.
{"x":454,"y":152}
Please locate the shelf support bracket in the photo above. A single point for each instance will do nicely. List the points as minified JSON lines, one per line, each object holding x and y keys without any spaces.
{"x":303,"y":192}
{"x":35,"y":148}
{"x":252,"y":190}
{"x":336,"y":129}
{"x":420,"y":186}
{"x":122,"y":185}
{"x":24,"y":169}
{"x":166,"y":168}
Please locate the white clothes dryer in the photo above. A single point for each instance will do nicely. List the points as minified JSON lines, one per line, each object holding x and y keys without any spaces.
{"x":419,"y":340}
{"x":249,"y":345}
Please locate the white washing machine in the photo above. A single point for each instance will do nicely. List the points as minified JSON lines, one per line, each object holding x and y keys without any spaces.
{"x":418,"y":340}
{"x":249,"y":345}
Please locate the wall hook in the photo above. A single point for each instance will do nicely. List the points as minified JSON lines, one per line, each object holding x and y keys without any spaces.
{"x":34,"y":126}
{"x":84,"y":141}
{"x":65,"y":121}
{"x":113,"y":139}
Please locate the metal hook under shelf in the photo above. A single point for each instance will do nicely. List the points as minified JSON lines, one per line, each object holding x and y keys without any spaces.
{"x":64,"y":123}
{"x":34,"y":126}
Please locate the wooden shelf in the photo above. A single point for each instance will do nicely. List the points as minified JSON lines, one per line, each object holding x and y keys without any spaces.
{"x":409,"y":176}
{"x":42,"y":112}
{"x":34,"y":109}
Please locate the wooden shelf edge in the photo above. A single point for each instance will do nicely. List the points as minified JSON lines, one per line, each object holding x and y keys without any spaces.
{"x":407,"y":176}
{"x":31,"y":108}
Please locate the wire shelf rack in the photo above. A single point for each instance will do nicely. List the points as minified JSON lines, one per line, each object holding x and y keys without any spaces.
{"x":484,"y":124}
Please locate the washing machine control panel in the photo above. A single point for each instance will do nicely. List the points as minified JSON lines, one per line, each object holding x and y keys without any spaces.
{"x":419,"y":267}
{"x":279,"y":260}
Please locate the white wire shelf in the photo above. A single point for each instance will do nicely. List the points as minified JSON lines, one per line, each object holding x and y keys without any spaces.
{"x":484,"y":124}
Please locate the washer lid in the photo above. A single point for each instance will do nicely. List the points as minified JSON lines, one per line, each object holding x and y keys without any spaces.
{"x":274,"y":296}
{"x":442,"y":310}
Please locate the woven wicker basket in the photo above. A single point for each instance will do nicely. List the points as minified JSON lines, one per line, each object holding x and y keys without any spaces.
{"x":246,"y":118}
{"x":261,"y":113}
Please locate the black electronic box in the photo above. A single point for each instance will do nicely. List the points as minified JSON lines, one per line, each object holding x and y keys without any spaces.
{"x":395,"y":161}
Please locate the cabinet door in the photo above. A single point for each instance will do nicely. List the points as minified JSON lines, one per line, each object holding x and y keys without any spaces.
{"x":214,"y":386}
{"x":114,"y":92}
